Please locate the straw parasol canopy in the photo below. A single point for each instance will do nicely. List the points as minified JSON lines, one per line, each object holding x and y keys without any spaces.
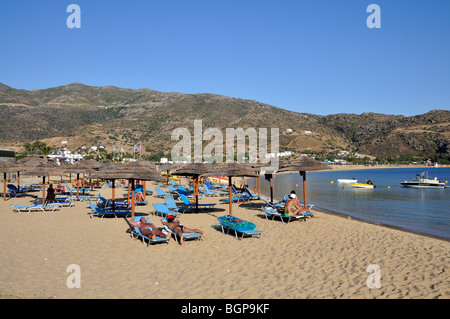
{"x":167,"y":167}
{"x":302,"y":165}
{"x":88,"y":166}
{"x":131,"y":171}
{"x":31,"y":161}
{"x":266,"y":169}
{"x":8,"y":167}
{"x":43,"y":169}
{"x":194,"y":170}
{"x":230,"y":170}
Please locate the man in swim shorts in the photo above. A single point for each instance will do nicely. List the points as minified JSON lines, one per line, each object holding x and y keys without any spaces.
{"x":175,"y":226}
{"x":148,"y":229}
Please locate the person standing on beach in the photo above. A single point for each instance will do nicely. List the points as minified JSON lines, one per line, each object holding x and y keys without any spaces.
{"x":50,"y":194}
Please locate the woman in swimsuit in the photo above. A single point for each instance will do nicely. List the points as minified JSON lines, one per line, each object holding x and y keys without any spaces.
{"x":175,"y":226}
{"x":290,"y":207}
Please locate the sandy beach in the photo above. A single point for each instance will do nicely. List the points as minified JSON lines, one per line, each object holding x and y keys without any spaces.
{"x":324,"y":257}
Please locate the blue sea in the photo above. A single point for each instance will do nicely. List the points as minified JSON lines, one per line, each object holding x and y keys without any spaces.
{"x":423,"y":211}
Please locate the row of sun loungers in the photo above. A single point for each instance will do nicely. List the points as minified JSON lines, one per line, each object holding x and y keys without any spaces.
{"x":103,"y":207}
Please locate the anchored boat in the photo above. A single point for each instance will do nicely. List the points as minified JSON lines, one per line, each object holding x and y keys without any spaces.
{"x":358,"y":185}
{"x":347,"y":180}
{"x":422,"y":181}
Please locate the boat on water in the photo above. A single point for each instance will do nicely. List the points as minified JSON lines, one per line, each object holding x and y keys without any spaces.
{"x":422,"y":181}
{"x":358,"y":185}
{"x":347,"y":180}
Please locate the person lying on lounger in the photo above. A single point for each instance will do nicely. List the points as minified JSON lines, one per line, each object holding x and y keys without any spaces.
{"x":175,"y":226}
{"x":292,"y":206}
{"x":148,"y":229}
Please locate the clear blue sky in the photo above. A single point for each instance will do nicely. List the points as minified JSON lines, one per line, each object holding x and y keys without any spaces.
{"x":314,"y":56}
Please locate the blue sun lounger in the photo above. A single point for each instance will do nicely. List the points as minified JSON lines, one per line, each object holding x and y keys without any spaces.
{"x":102,"y":212}
{"x":57,"y":203}
{"x":212,"y":192}
{"x":74,"y":191}
{"x":23,"y":189}
{"x":172,"y":205}
{"x":160,"y":192}
{"x":250,"y":194}
{"x":186,"y":236}
{"x":239,"y":226}
{"x":13,"y":191}
{"x":163,"y":210}
{"x":29,"y":208}
{"x":273,"y":205}
{"x":174,"y":184}
{"x":271,"y":213}
{"x":192,"y":205}
{"x":136,"y":233}
{"x":236,"y":199}
{"x":107,"y":203}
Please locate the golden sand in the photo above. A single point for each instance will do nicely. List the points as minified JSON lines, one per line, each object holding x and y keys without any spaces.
{"x":324,"y":257}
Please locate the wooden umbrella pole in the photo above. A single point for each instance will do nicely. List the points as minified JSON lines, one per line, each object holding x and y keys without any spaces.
{"x":259,"y":186}
{"x":129,"y":190}
{"x":78,"y":188}
{"x":271,"y":191}
{"x":43,"y":190}
{"x":196,"y":193}
{"x":132,"y":198}
{"x":82,"y":184}
{"x":113,"y":194}
{"x":229,"y":194}
{"x":4,"y":186}
{"x":144,"y":190}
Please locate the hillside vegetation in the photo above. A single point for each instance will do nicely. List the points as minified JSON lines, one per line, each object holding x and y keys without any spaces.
{"x":86,"y":115}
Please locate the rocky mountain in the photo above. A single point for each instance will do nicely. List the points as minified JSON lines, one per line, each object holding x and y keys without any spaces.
{"x":87,"y":115}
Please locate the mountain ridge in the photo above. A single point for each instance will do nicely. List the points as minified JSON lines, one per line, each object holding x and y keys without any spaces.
{"x":97,"y":115}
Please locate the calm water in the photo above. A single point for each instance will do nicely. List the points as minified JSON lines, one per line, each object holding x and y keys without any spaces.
{"x":425,"y":211}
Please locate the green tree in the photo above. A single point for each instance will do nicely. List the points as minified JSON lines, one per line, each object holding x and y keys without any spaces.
{"x":45,"y":150}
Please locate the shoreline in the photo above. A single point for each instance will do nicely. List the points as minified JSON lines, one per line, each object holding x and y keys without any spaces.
{"x":360,"y":167}
{"x":320,"y":258}
{"x":345,"y":215}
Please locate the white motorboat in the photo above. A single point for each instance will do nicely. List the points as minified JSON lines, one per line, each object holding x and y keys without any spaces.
{"x":346,"y":180}
{"x":422,"y":181}
{"x":358,"y":185}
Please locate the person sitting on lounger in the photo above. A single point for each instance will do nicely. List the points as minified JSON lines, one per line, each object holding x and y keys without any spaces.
{"x":148,"y":229}
{"x":50,"y":194}
{"x":140,"y":197}
{"x":292,"y":206}
{"x":176,"y":227}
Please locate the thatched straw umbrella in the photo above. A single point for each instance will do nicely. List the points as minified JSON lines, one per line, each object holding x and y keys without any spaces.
{"x":132,"y":172}
{"x":266,"y":169}
{"x":82,"y":167}
{"x":230,"y":170}
{"x":7,"y":167}
{"x":167,"y":167}
{"x":44,"y":169}
{"x":302,"y":165}
{"x":193,"y":170}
